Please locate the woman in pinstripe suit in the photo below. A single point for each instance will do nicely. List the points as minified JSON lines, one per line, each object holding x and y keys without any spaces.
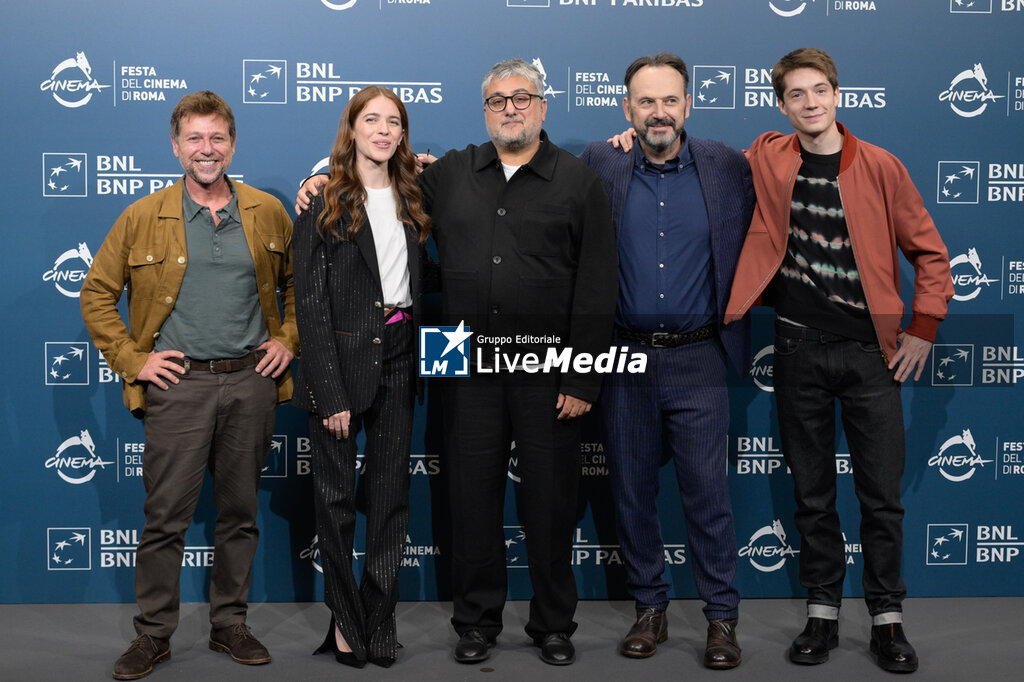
{"x":358,"y":252}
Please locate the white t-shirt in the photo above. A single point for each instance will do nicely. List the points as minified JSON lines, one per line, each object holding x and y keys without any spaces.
{"x":389,"y":242}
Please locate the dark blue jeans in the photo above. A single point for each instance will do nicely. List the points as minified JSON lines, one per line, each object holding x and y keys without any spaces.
{"x":813,"y":369}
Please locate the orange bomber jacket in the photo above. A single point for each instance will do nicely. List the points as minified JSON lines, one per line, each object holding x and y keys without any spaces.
{"x":883,"y":211}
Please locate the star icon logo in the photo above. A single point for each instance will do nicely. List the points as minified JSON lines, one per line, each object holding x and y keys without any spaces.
{"x":444,"y":351}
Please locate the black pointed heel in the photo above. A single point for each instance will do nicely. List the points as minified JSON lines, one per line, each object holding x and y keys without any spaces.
{"x":330,"y":645}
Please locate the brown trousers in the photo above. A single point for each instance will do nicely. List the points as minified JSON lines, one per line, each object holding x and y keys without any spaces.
{"x":223,"y":422}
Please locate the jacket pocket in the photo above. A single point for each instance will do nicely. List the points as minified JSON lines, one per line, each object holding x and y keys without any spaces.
{"x":544,"y":231}
{"x":146,"y":264}
{"x":460,"y":292}
{"x":272,"y":241}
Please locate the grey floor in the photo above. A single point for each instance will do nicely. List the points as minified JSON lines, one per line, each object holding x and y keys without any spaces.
{"x":957,"y":639}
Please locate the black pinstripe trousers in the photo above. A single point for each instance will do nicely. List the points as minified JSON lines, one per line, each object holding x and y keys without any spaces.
{"x":365,"y":613}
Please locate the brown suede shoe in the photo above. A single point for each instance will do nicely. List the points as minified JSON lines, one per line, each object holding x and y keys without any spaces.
{"x":237,"y":640}
{"x":650,"y":630}
{"x":141,"y":656}
{"x":722,"y":651}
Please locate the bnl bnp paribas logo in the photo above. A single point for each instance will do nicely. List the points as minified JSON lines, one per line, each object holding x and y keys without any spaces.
{"x":947,"y":544}
{"x":959,"y":182}
{"x":68,"y":549}
{"x":264,"y":81}
{"x":953,"y":364}
{"x":65,"y":174}
{"x":71,"y":82}
{"x":444,"y":351}
{"x":66,"y":363}
{"x":958,"y":459}
{"x":714,"y":87}
{"x":968,"y":94}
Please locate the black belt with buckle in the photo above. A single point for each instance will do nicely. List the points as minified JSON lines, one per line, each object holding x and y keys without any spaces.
{"x":667,"y":339}
{"x":221,"y":366}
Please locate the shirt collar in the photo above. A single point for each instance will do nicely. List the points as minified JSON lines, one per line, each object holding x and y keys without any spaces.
{"x":542,"y":163}
{"x":190,"y":208}
{"x":678,"y":162}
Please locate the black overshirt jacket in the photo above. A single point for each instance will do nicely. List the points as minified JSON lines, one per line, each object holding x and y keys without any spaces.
{"x":534,"y":256}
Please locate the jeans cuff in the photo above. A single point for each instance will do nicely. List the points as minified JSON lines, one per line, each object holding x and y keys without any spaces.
{"x":823,"y":611}
{"x":887,"y":618}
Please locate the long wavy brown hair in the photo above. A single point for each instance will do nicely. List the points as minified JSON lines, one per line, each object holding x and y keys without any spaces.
{"x":344,"y":192}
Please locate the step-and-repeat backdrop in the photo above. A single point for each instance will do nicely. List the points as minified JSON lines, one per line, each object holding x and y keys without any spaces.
{"x":88,"y":91}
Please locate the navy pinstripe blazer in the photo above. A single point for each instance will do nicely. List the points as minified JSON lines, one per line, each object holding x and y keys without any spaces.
{"x":729,"y":196}
{"x":340,"y":314}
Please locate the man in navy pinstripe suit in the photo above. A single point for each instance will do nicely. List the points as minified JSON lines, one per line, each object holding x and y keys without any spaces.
{"x":681,"y":208}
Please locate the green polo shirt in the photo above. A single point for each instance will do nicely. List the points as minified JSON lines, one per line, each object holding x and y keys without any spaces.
{"x":217,"y":314}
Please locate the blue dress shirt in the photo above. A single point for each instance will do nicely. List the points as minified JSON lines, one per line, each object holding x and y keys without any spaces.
{"x":664,"y":243}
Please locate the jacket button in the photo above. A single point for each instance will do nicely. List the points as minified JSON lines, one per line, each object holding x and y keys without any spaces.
{"x":181,"y":259}
{"x":378,"y":304}
{"x":501,"y":211}
{"x":494,"y":309}
{"x":376,"y":340}
{"x":156,"y":335}
{"x":496,"y":260}
{"x":265,"y":286}
{"x":273,"y":245}
{"x":149,"y":258}
{"x":168,"y":300}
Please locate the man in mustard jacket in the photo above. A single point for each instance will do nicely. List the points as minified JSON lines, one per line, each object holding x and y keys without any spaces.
{"x":831,"y":213}
{"x":203,"y":361}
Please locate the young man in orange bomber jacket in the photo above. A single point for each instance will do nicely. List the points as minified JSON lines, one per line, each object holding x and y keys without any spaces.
{"x":831,"y":213}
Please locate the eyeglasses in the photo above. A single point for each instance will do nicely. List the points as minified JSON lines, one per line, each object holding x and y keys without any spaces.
{"x":520,"y":100}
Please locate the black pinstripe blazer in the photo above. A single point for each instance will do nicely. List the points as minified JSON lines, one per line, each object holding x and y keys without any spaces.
{"x":339,"y":308}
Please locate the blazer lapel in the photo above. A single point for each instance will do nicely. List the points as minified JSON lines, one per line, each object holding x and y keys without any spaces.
{"x":412,"y":249}
{"x":364,"y":240}
{"x":623,"y":175}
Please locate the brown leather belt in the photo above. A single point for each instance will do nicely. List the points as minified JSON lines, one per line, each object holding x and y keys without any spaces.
{"x":667,"y":339}
{"x":221,"y":366}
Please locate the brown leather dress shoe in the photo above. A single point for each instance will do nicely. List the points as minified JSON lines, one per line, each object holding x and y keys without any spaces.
{"x":649,"y":630}
{"x":237,"y":641}
{"x":722,"y":651}
{"x":138,"y":661}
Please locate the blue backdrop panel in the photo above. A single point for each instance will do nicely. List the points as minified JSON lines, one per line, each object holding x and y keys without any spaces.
{"x":89,"y":88}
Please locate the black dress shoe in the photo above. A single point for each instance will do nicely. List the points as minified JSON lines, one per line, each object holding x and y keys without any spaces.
{"x":891,"y":649}
{"x":649,"y":630}
{"x":812,"y":645}
{"x":556,"y":649}
{"x":473,"y":647}
{"x":722,"y":651}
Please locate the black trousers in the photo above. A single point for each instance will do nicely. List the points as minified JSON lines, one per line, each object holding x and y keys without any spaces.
{"x":814,"y":370}
{"x":365,"y":613}
{"x":483,"y":415}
